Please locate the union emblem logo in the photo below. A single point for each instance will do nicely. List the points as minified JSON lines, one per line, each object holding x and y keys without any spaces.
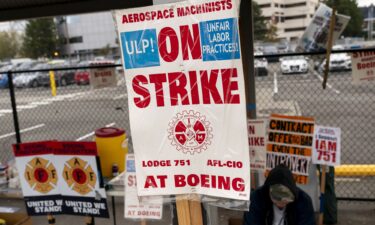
{"x":190,"y":132}
{"x":41,"y":175}
{"x":79,"y":176}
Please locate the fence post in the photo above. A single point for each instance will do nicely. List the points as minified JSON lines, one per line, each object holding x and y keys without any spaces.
{"x":14,"y":107}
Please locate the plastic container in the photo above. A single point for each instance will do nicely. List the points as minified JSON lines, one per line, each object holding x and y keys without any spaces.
{"x":112,"y":149}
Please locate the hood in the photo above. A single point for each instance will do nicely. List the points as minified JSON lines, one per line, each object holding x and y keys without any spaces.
{"x":281,"y":175}
{"x":297,"y":62}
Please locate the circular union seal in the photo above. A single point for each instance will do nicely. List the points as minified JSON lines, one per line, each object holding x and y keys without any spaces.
{"x":190,"y":132}
{"x":79,"y":176}
{"x":41,"y":175}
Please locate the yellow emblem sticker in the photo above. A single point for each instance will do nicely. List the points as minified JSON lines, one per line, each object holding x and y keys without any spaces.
{"x":79,"y":176}
{"x":41,"y":175}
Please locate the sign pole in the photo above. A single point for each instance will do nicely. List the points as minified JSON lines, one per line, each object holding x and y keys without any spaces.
{"x":195,"y":210}
{"x":329,"y":47}
{"x":183,"y":210}
{"x":322,"y":191}
{"x":51,"y":219}
{"x":143,"y":222}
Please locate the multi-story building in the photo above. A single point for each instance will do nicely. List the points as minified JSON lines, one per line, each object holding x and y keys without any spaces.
{"x":291,"y":17}
{"x":369,"y":21}
{"x":86,"y":36}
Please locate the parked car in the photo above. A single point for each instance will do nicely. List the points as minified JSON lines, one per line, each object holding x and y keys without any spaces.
{"x":271,"y":50}
{"x":33,"y":79}
{"x":338,"y":62}
{"x":62,"y":77}
{"x":260,"y":65}
{"x":3,"y":80}
{"x":3,"y":75}
{"x":294,"y":64}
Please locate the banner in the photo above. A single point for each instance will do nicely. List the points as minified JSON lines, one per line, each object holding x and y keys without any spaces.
{"x":146,"y":207}
{"x":327,"y":147}
{"x":61,"y":178}
{"x":363,"y":67}
{"x":186,"y":98}
{"x":290,"y":140}
{"x":257,"y":144}
{"x":315,"y":37}
{"x":38,"y":177}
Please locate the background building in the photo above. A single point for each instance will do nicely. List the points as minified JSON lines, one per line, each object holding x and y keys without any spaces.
{"x":369,"y":21}
{"x":87,"y":36}
{"x":291,"y":17}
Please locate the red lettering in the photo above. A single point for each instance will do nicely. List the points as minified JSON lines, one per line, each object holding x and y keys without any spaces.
{"x":177,"y":84}
{"x":194,"y":87}
{"x":138,"y":89}
{"x":150,"y":182}
{"x":332,"y":146}
{"x":229,"y":86}
{"x":124,"y":19}
{"x":168,"y":32}
{"x":179,"y":181}
{"x":162,"y":179}
{"x":205,"y":180}
{"x":238,"y":184}
{"x":158,"y":80}
{"x":193,"y":180}
{"x":224,"y":182}
{"x":209,"y":87}
{"x":190,"y":42}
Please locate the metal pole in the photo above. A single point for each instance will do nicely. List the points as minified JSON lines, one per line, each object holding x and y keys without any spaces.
{"x":14,"y":107}
{"x":247,"y":50}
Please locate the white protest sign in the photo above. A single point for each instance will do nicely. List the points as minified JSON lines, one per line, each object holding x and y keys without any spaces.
{"x":79,"y":179}
{"x":257,"y":144}
{"x":103,"y":77}
{"x":327,"y":148}
{"x":39,"y":177}
{"x":186,"y":98}
{"x":363,"y":67}
{"x":146,"y":207}
{"x":315,"y":37}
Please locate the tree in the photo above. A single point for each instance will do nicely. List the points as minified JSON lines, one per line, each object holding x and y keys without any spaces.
{"x":271,"y":34}
{"x":9,"y":44}
{"x":349,"y":8}
{"x":259,"y":23}
{"x":40,"y":38}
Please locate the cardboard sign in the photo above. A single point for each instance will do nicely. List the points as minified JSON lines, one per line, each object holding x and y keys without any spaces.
{"x":103,"y":77}
{"x":363,"y":67}
{"x":290,"y":140}
{"x":60,"y":178}
{"x":257,"y":144}
{"x":79,"y":179}
{"x":315,"y":37}
{"x":327,"y":147}
{"x":186,"y":98}
{"x":38,"y":177}
{"x":146,"y":207}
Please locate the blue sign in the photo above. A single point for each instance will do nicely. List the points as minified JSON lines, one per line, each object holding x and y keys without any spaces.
{"x":220,"y":39}
{"x":140,"y":48}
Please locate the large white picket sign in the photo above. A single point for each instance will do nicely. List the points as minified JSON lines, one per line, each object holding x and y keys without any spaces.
{"x":186,"y":98}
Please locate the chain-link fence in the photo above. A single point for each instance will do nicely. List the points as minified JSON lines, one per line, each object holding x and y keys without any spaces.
{"x":289,"y":85}
{"x":293,"y":85}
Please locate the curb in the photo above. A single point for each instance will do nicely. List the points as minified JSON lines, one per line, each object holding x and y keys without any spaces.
{"x":355,"y":170}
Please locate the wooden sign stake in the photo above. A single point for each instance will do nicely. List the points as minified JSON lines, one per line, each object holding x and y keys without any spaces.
{"x":329,"y":47}
{"x":189,"y":212}
{"x":51,"y":219}
{"x":322,"y":191}
{"x":143,"y":222}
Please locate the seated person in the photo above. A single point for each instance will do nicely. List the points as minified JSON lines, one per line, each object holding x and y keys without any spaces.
{"x":280,"y":202}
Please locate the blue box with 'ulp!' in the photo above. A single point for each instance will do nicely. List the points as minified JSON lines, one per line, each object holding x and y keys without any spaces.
{"x":140,"y":48}
{"x":219,"y":39}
